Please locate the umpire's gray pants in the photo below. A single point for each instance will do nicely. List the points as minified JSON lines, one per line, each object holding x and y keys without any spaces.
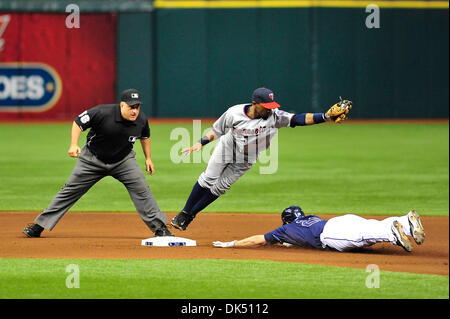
{"x":88,"y":171}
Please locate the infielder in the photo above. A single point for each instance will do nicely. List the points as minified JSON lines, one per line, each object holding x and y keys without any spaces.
{"x":244,"y":130}
{"x":108,"y":152}
{"x":342,"y":233}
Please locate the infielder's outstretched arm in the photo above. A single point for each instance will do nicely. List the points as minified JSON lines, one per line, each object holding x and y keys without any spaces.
{"x":308,"y":119}
{"x":209,"y":137}
{"x":255,"y":240}
{"x":74,"y":149}
{"x":337,"y":113}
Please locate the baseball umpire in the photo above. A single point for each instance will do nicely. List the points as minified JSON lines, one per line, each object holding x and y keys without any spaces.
{"x":244,"y":130}
{"x":114,"y":128}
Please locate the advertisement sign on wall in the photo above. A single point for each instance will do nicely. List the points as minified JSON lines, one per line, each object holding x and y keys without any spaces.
{"x":50,"y":71}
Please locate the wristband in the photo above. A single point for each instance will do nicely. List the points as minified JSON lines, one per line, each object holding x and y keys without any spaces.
{"x":204,"y":140}
{"x":319,"y":117}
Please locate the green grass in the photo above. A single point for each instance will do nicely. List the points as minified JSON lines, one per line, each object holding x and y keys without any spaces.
{"x":206,"y":279}
{"x":380,"y":169}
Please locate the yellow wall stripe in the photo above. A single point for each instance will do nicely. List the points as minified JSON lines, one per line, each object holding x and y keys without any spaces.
{"x":170,"y":4}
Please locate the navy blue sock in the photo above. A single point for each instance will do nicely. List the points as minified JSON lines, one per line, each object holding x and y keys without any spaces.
{"x":196,"y":194}
{"x":207,"y":199}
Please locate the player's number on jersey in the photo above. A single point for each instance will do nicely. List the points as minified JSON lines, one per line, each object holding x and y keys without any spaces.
{"x":309,"y":222}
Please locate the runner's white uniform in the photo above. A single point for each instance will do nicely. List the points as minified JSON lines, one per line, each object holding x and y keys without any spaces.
{"x":350,"y":231}
{"x":241,"y":140}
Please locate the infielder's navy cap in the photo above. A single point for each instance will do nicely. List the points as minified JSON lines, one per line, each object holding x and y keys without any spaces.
{"x":265,"y":97}
{"x":131,"y":97}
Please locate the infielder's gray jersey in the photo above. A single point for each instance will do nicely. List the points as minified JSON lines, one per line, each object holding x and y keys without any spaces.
{"x":241,"y":140}
{"x":243,"y":137}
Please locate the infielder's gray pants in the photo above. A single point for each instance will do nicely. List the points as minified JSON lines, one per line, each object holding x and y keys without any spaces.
{"x":219,"y":177}
{"x":223,"y":170}
{"x":88,"y":171}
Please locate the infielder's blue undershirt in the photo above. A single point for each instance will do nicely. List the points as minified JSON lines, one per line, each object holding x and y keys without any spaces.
{"x":300,"y":119}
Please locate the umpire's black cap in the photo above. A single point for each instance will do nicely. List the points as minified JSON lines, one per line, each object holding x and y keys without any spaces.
{"x":131,"y":97}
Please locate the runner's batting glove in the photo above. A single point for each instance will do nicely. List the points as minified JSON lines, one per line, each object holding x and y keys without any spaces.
{"x":338,"y":112}
{"x":224,"y":244}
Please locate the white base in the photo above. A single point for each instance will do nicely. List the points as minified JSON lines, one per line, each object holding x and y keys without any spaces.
{"x":168,"y":241}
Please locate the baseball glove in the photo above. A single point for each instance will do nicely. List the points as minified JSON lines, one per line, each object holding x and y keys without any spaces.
{"x":338,"y":112}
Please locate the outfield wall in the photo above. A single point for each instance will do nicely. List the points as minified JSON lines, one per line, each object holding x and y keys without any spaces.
{"x":195,"y":58}
{"x":50,"y":72}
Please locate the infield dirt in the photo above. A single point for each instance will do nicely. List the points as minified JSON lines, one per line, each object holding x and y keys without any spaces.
{"x":118,"y":236}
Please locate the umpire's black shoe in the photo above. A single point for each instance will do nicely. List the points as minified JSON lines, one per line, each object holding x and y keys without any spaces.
{"x":182,"y":220}
{"x":33,"y":230}
{"x":163,"y":231}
